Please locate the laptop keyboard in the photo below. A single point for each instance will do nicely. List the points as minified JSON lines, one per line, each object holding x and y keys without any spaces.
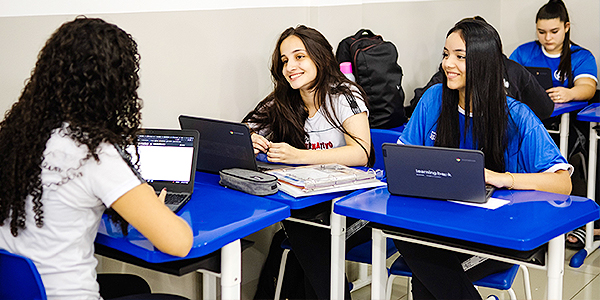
{"x":174,"y":198}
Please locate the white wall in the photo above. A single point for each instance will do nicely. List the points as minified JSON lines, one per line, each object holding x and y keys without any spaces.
{"x":211,"y":58}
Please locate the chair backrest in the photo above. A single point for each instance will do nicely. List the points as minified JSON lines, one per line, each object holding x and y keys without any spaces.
{"x":19,"y":278}
{"x":378,"y":137}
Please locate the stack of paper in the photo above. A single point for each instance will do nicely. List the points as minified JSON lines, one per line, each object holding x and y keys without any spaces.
{"x":322,"y":179}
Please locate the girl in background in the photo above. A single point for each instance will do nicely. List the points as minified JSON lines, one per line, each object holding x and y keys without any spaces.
{"x":574,"y":71}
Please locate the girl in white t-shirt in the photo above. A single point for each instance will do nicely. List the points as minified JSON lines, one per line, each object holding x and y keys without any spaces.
{"x":314,"y":115}
{"x":61,"y":167}
{"x":312,"y":107}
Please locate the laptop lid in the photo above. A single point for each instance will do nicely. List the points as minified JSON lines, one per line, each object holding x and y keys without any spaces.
{"x":543,"y":76}
{"x":435,"y":172}
{"x":223,"y":144}
{"x":167,"y":158}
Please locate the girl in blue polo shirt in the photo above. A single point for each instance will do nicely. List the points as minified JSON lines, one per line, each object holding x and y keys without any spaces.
{"x":470,"y":110}
{"x":574,"y":72}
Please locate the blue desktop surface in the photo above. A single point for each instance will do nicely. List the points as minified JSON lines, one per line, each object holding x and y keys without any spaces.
{"x":530,"y":220}
{"x":561,"y":108}
{"x":590,"y":114}
{"x":217,"y":215}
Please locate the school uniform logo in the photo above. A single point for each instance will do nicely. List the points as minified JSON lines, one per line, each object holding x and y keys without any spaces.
{"x":319,"y":145}
{"x":432,"y":135}
{"x":557,"y":75}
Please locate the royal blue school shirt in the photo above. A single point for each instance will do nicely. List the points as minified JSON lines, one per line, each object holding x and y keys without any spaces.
{"x":530,"y":148}
{"x":532,"y":54}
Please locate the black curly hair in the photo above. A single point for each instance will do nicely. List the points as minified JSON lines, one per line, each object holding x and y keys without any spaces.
{"x":87,"y":77}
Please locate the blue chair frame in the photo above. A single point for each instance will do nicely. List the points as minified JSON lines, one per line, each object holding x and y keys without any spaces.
{"x":19,"y":278}
{"x":378,"y":137}
{"x":500,"y":281}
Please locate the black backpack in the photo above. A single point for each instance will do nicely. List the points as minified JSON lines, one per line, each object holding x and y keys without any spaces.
{"x":375,"y":67}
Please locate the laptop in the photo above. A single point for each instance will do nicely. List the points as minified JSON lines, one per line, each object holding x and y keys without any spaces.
{"x":167,"y":159}
{"x":543,"y":76}
{"x":436,"y":172}
{"x":224,"y":145}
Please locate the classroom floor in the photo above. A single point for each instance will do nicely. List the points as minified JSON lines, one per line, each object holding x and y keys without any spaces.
{"x":582,"y":283}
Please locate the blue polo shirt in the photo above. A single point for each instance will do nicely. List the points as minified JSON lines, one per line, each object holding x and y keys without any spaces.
{"x":532,"y":54}
{"x":530,"y":148}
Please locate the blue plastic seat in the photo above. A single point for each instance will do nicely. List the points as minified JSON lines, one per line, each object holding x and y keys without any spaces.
{"x":378,"y":137}
{"x":19,"y":278}
{"x":500,"y":281}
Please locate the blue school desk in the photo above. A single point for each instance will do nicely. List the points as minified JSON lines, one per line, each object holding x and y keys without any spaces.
{"x":219,"y":218}
{"x":527,"y":222}
{"x":563,"y":110}
{"x":589,"y":114}
{"x":336,"y":228}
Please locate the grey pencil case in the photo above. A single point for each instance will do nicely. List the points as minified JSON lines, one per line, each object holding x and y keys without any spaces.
{"x":248,"y":181}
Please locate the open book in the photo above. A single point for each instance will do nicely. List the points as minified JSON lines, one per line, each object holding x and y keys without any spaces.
{"x":322,"y":179}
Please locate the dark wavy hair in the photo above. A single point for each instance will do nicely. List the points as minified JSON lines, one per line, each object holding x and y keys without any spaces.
{"x":486,"y":92}
{"x":552,"y":10}
{"x":282,"y":113}
{"x":86,"y":76}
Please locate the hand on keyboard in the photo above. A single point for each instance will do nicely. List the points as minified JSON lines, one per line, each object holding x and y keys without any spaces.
{"x":162,"y":195}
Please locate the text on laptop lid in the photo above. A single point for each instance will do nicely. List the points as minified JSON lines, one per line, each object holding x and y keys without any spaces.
{"x":435,"y":172}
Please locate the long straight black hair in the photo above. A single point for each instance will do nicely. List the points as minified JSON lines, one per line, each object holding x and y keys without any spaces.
{"x":485,"y":95}
{"x":552,"y":10}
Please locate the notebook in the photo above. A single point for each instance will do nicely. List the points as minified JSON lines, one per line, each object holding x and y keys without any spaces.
{"x":223,"y":145}
{"x":543,"y":76}
{"x":167,"y":159}
{"x":436,"y":172}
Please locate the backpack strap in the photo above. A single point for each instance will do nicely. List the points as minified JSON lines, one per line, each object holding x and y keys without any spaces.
{"x":363,"y":33}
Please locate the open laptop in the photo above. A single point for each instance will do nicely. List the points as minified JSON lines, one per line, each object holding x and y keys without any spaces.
{"x":543,"y":76}
{"x":167,"y":159}
{"x":436,"y":172}
{"x":223,"y":145}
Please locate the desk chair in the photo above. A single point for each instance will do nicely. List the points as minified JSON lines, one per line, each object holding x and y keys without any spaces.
{"x":19,"y":278}
{"x":360,"y":253}
{"x":380,"y":136}
{"x":590,"y":114}
{"x":500,"y":281}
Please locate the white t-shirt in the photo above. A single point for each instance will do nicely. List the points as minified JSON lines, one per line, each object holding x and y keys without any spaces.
{"x":324,"y":136}
{"x":76,"y":192}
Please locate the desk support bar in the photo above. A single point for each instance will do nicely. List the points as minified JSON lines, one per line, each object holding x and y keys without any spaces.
{"x":556,"y":267}
{"x":338,"y":255}
{"x":564,"y":135}
{"x":378,"y":284}
{"x":231,"y":266}
{"x":308,"y":222}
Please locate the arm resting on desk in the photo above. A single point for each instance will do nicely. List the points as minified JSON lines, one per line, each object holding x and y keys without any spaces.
{"x":352,"y":154}
{"x":584,"y":89}
{"x":152,"y":218}
{"x":557,"y":182}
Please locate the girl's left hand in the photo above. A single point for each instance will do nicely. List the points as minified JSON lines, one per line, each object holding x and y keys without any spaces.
{"x":559,"y":94}
{"x":498,"y":180}
{"x":283,"y":153}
